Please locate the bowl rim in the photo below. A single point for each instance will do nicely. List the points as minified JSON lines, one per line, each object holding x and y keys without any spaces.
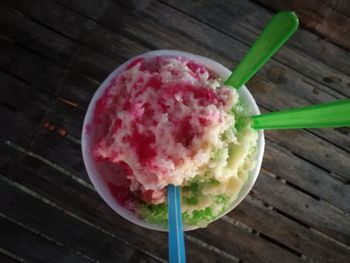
{"x":89,"y":162}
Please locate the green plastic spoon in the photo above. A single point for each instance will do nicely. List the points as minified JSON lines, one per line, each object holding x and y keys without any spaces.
{"x":275,"y":34}
{"x":334,"y":114}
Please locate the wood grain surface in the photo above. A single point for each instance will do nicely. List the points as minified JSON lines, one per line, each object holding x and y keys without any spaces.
{"x":53,"y":56}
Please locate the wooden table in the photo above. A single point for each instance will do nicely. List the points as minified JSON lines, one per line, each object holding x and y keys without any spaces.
{"x":53,"y":56}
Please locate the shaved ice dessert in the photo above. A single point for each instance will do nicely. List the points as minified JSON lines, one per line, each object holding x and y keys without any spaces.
{"x":170,"y":120}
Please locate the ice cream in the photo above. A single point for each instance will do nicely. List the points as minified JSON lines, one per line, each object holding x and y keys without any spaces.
{"x":170,"y":120}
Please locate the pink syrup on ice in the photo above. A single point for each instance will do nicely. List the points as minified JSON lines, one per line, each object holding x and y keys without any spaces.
{"x":143,"y":141}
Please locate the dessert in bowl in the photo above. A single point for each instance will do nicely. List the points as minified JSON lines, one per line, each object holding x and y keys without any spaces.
{"x":165,"y":117}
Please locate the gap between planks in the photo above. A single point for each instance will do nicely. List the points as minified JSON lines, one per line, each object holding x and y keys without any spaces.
{"x":267,"y":172}
{"x":11,"y":255}
{"x":57,"y":243}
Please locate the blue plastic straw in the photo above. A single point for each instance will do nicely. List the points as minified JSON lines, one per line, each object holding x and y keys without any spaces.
{"x":176,"y":235}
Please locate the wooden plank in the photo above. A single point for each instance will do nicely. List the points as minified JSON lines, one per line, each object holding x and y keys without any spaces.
{"x":66,"y":118}
{"x":23,"y":97}
{"x":16,"y":71}
{"x":31,"y":246}
{"x":67,"y":230}
{"x":61,"y":49}
{"x":314,"y":213}
{"x":342,"y":141}
{"x":19,"y":113}
{"x":303,"y":174}
{"x":63,"y":152}
{"x":52,"y":79}
{"x":321,"y":17}
{"x":250,"y":247}
{"x":263,"y":92}
{"x":27,"y":106}
{"x":25,"y":110}
{"x":310,"y":147}
{"x":287,"y":232}
{"x":44,"y":180}
{"x":342,"y":6}
{"x":97,"y":66}
{"x":18,"y":65}
{"x":83,"y":29}
{"x":338,"y":138}
{"x":25,"y":124}
{"x":7,"y":259}
{"x":314,"y":149}
{"x":305,"y":41}
{"x":55,"y":79}
{"x":15,"y":124}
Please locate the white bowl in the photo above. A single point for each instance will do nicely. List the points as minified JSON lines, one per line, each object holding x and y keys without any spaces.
{"x":94,"y":169}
